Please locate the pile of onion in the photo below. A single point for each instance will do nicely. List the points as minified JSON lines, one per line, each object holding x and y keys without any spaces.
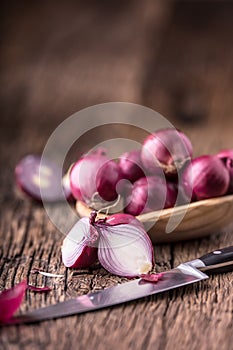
{"x":148,"y":179}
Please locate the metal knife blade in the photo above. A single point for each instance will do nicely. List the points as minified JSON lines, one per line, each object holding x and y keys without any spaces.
{"x":182,"y":275}
{"x":217,"y":261}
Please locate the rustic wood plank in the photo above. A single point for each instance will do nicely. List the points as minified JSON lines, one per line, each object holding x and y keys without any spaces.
{"x":195,"y":317}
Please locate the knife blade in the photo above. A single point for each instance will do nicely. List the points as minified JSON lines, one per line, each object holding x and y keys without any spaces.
{"x":217,"y":261}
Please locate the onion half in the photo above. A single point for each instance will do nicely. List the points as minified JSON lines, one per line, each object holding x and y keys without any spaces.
{"x":124,"y":249}
{"x":77,"y":249}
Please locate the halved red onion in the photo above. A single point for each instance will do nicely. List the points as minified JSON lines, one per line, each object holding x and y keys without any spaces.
{"x":148,"y":194}
{"x":131,"y":165}
{"x":77,"y":249}
{"x":10,"y":300}
{"x":205,"y":177}
{"x":166,"y":148}
{"x":109,"y":174}
{"x":39,"y":179}
{"x":124,"y":249}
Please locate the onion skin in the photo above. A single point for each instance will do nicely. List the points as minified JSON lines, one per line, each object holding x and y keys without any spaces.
{"x":38,"y":178}
{"x":10,"y":300}
{"x":148,"y":194}
{"x":107,"y":178}
{"x":205,"y":177}
{"x":225,"y":153}
{"x":83,"y":175}
{"x":229,"y":166}
{"x":122,"y":218}
{"x":131,"y":165}
{"x":171,"y":195}
{"x":77,"y":249}
{"x":168,"y":148}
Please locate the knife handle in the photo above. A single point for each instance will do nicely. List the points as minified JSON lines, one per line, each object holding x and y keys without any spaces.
{"x":218,"y":261}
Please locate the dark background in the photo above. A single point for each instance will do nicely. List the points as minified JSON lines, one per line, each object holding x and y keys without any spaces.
{"x":58,"y":57}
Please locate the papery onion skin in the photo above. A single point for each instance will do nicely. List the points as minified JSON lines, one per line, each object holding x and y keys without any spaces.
{"x":109,"y":174}
{"x":205,"y":177}
{"x":10,"y":300}
{"x":83,"y":175}
{"x":124,"y":249}
{"x":39,"y":289}
{"x":166,"y":148}
{"x":152,"y":277}
{"x":77,"y":249}
{"x":131,"y":165}
{"x":148,"y":194}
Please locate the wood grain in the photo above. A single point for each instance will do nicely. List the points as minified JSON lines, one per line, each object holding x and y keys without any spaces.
{"x":57,"y":58}
{"x":184,"y":222}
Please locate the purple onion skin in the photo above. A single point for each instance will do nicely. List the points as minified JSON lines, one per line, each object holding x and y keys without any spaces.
{"x":229,"y":166}
{"x":83,"y":175}
{"x":106,"y":180}
{"x":122,"y":218}
{"x":171,"y":195}
{"x":131,"y":165}
{"x":205,"y":177}
{"x":30,"y":174}
{"x":225,"y":153}
{"x":166,"y":148}
{"x":88,"y":257}
{"x":148,"y":194}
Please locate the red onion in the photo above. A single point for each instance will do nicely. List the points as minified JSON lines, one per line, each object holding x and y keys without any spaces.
{"x":131,"y":165}
{"x":10,"y":300}
{"x":76,"y":249}
{"x":229,"y":166}
{"x":171,"y":195}
{"x":107,"y":178}
{"x":226,"y":155}
{"x":148,"y":194}
{"x":122,"y":218}
{"x":166,"y":148}
{"x":205,"y":177}
{"x":124,"y":249}
{"x":83,"y":175}
{"x":35,"y":175}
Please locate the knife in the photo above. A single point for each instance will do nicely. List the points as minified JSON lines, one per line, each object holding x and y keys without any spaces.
{"x":192,"y":271}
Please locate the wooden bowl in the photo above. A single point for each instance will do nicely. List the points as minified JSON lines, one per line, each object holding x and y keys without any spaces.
{"x":185,"y":222}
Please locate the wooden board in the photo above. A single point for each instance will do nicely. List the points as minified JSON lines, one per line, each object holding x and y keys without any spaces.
{"x":59,"y":58}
